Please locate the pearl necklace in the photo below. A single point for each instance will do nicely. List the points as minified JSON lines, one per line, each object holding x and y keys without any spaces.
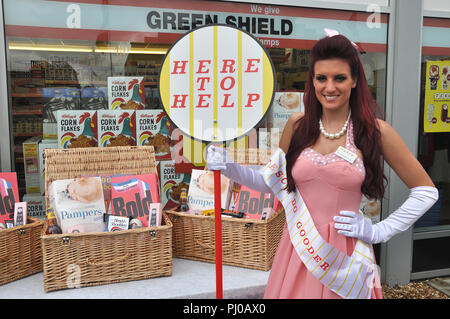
{"x":335,"y":135}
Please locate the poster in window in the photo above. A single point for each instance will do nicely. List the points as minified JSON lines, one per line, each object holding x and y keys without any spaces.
{"x":437,"y":97}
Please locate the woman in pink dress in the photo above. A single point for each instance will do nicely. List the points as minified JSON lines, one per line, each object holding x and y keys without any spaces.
{"x":333,"y":156}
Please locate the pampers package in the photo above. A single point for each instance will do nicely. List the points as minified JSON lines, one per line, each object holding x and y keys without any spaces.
{"x":78,"y":204}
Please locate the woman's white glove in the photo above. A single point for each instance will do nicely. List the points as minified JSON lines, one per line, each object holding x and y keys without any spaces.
{"x":355,"y":225}
{"x":217,"y":159}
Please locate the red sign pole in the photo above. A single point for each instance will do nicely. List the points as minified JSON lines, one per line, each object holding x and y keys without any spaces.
{"x":218,"y":233}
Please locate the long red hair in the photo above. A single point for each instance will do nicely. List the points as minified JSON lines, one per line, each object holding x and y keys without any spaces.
{"x":363,"y":106}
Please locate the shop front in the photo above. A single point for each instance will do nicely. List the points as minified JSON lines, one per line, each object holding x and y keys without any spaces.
{"x":66,"y":55}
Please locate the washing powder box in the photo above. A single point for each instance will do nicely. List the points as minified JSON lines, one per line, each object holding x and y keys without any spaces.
{"x":132,"y":195}
{"x":77,"y":128}
{"x":126,"y":93}
{"x":283,"y":106}
{"x":31,"y":164}
{"x":116,"y":128}
{"x":201,"y":190}
{"x":153,"y":128}
{"x":9,"y":193}
{"x":252,"y":203}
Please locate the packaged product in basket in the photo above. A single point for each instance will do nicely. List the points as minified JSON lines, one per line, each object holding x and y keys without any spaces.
{"x":132,"y":195}
{"x":201,"y":190}
{"x":78,"y":204}
{"x":20,"y":214}
{"x":154,"y":218}
{"x":116,"y":128}
{"x":9,"y":195}
{"x":254,"y":204}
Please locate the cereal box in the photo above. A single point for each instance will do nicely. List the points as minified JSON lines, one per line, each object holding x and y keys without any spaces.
{"x":77,"y":128}
{"x":126,"y":93}
{"x":171,"y":184}
{"x":132,"y":195}
{"x":153,"y":128}
{"x":35,"y":205}
{"x":116,"y":128}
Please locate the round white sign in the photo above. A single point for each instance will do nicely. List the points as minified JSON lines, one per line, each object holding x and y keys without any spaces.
{"x":216,"y":83}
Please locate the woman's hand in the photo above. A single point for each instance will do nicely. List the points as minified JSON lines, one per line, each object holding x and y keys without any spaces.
{"x":355,"y":225}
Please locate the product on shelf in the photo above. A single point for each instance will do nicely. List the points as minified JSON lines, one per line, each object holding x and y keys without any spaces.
{"x":57,"y":98}
{"x":116,"y":128}
{"x":94,"y":98}
{"x":31,"y":164}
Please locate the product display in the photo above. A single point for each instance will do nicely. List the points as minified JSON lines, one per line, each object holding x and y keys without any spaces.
{"x":78,"y":204}
{"x":132,"y":195}
{"x":77,"y":128}
{"x":201,"y":190}
{"x":9,"y":195}
{"x":116,"y":128}
{"x":20,"y":214}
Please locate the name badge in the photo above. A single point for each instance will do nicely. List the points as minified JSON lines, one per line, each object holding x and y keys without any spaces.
{"x":346,"y":154}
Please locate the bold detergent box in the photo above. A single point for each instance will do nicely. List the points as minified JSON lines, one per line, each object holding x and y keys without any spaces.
{"x":9,"y":195}
{"x":132,"y":195}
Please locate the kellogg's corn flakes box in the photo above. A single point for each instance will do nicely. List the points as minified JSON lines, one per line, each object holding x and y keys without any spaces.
{"x":116,"y":128}
{"x":77,"y":128}
{"x":126,"y":93}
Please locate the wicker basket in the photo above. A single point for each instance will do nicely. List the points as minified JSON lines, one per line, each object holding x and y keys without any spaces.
{"x":90,"y":259}
{"x":20,"y":252}
{"x":246,"y":243}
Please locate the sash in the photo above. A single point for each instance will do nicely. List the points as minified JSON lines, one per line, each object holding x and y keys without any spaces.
{"x":348,"y":276}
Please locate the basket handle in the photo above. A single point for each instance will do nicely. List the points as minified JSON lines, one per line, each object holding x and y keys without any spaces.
{"x":210,"y":246}
{"x":107,"y":263}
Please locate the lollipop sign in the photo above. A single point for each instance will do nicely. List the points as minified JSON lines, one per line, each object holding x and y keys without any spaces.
{"x":216,"y":83}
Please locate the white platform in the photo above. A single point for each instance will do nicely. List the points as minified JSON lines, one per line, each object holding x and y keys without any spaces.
{"x":189,"y":280}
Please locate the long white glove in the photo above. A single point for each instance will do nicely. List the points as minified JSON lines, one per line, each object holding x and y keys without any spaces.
{"x":217,"y":159}
{"x":355,"y":225}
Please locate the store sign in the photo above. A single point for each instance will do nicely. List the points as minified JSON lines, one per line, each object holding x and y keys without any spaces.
{"x":216,"y":83}
{"x":437,"y":97}
{"x":154,"y":21}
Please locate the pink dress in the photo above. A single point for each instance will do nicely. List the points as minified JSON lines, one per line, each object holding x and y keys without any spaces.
{"x":328,"y":184}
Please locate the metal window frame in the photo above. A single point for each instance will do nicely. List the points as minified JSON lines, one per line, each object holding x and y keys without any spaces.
{"x":5,"y":117}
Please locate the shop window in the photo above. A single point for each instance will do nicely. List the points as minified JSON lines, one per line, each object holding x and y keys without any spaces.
{"x":62,"y":55}
{"x":434,"y":132}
